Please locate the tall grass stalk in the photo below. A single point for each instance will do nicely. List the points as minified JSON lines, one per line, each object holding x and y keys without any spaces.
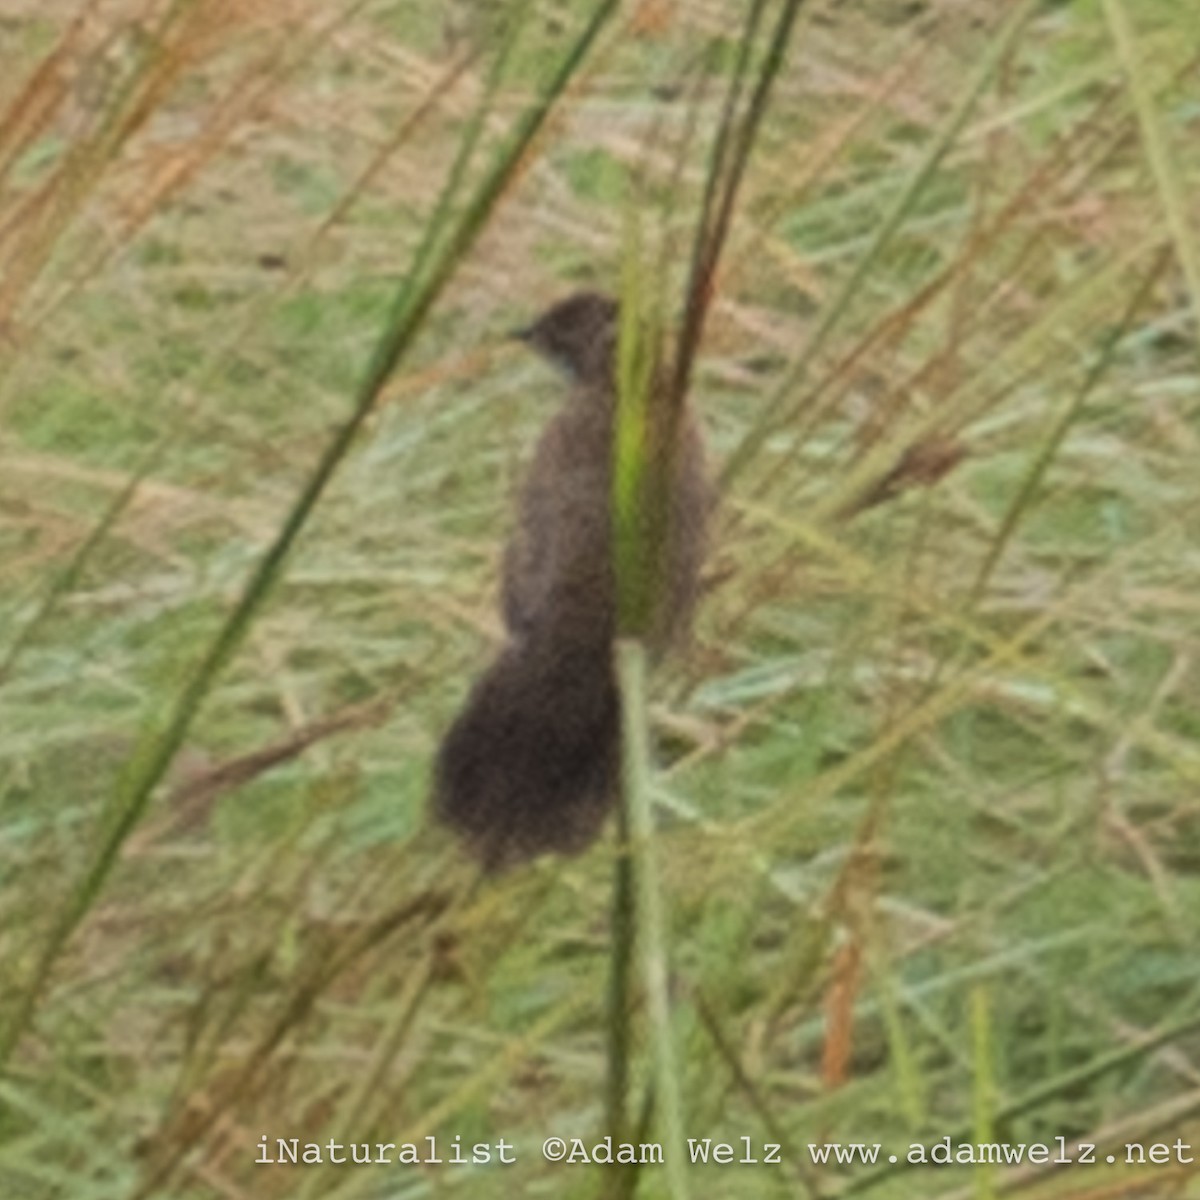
{"x":652,"y":922}
{"x":437,"y":258}
{"x":648,"y":420}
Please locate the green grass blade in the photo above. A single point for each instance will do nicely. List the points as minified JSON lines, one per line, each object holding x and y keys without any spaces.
{"x":714,"y":228}
{"x":652,"y":937}
{"x":1162,"y":162}
{"x":774,"y":414}
{"x":1058,"y":432}
{"x":159,"y":746}
{"x":983,"y":1129}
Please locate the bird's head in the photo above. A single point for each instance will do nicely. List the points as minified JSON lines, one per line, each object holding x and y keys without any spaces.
{"x":578,"y":335}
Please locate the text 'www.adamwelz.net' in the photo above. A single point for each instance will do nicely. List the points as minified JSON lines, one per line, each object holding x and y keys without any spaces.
{"x":454,"y":1152}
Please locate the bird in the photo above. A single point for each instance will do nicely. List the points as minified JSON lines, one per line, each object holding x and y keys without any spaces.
{"x":531,"y":764}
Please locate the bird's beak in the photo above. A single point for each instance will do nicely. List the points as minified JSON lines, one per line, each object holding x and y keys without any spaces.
{"x":521,"y":334}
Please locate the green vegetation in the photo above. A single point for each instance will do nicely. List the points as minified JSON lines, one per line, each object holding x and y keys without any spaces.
{"x":926,"y":846}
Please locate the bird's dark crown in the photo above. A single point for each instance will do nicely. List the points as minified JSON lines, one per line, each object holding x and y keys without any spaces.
{"x":578,"y":335}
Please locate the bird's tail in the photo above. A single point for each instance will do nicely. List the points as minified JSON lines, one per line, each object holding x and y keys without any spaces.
{"x":531,"y":764}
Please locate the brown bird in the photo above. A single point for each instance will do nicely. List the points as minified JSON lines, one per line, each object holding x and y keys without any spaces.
{"x":532,"y":763}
